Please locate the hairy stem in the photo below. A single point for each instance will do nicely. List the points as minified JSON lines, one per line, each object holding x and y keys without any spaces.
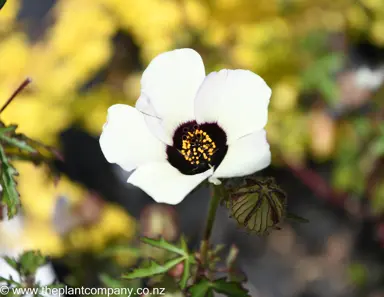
{"x":218,"y":191}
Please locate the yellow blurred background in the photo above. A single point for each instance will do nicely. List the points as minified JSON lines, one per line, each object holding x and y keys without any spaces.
{"x":282,"y":40}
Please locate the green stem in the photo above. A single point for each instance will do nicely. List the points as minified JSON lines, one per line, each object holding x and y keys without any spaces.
{"x":215,"y":201}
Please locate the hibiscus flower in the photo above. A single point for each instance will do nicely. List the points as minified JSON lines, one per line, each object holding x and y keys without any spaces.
{"x":187,"y":127}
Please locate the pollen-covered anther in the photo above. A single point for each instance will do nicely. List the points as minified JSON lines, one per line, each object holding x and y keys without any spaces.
{"x":197,"y":146}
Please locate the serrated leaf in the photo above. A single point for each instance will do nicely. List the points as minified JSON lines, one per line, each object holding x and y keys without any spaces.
{"x":6,"y":129}
{"x":184,"y":245}
{"x":163,"y":244}
{"x":152,"y":269}
{"x":296,"y":218}
{"x":11,"y":262}
{"x":230,"y":288}
{"x":2,"y":3}
{"x":21,"y":144}
{"x":187,"y":265}
{"x":156,"y":268}
{"x":258,"y":206}
{"x":10,"y":196}
{"x":205,"y":288}
{"x":237,"y":276}
{"x":30,"y":261}
{"x":201,"y":289}
{"x":187,"y":255}
{"x":109,"y":281}
{"x":186,"y":274}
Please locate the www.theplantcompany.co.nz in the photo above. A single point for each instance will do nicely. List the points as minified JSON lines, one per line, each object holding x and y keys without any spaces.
{"x":66,"y":291}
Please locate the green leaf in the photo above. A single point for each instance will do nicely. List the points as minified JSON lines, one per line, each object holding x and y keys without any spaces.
{"x":10,"y":195}
{"x":378,"y":147}
{"x":165,"y":245}
{"x":187,"y":265}
{"x":2,"y":3}
{"x":187,"y":255}
{"x":153,"y":268}
{"x":296,"y":218}
{"x":205,"y":288}
{"x":30,"y":261}
{"x":109,"y":281}
{"x":315,"y":42}
{"x":230,"y":288}
{"x":201,"y":289}
{"x":11,"y":262}
{"x":21,"y":144}
{"x":6,"y":129}
{"x":318,"y":76}
{"x":358,"y":274}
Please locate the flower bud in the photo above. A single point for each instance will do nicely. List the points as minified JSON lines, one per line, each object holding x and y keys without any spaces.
{"x":258,"y":206}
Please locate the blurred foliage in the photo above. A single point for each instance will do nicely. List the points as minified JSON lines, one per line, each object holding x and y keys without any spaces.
{"x":153,"y":268}
{"x":93,"y":51}
{"x":180,"y":270}
{"x":2,"y":3}
{"x":205,"y":288}
{"x":26,"y":267}
{"x":357,"y":274}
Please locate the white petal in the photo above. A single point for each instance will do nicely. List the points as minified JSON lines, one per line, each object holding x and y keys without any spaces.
{"x":155,"y":124}
{"x":245,"y":156}
{"x":45,"y":275}
{"x":126,"y":140}
{"x":171,"y":82}
{"x":7,"y":271}
{"x":236,"y":99}
{"x":164,"y":183}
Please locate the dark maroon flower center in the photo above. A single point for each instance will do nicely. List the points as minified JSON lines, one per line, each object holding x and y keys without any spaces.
{"x":197,"y":147}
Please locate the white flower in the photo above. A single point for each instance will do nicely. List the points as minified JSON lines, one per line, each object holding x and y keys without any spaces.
{"x":188,"y":127}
